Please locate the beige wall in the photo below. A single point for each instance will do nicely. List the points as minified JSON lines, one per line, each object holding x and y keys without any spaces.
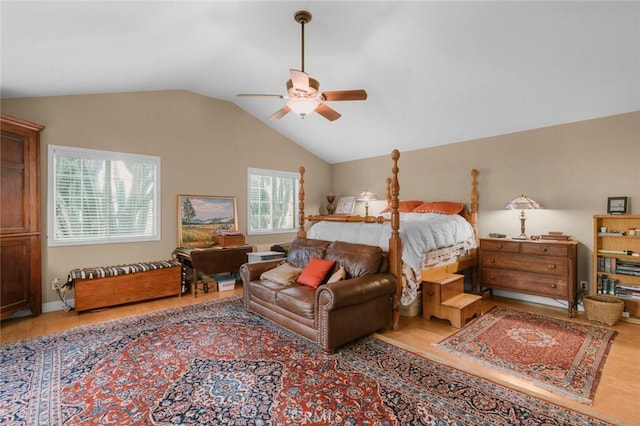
{"x":571,"y":169}
{"x":205,"y":145}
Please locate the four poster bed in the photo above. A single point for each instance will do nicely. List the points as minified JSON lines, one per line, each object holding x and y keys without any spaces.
{"x":422,"y":240}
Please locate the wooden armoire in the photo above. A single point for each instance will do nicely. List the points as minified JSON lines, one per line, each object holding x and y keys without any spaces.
{"x":20,"y":239}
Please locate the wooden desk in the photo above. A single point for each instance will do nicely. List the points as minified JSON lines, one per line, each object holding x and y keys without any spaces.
{"x":214,"y":260}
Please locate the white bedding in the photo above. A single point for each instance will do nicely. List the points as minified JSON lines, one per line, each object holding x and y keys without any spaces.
{"x":420,"y":233}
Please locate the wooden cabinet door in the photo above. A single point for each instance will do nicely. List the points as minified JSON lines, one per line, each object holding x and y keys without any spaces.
{"x":19,"y":181}
{"x":21,"y":277}
{"x":20,"y":252}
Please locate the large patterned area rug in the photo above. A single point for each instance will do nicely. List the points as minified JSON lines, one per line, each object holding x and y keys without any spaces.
{"x":564,"y":357}
{"x":214,"y":363}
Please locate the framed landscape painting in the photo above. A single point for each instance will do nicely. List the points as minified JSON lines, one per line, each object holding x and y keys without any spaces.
{"x":199,"y":216}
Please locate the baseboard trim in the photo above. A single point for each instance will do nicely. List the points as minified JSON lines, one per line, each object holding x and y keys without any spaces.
{"x":56,"y":306}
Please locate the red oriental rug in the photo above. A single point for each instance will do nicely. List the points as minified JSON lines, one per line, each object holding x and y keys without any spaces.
{"x":564,"y":357}
{"x":213,"y":363}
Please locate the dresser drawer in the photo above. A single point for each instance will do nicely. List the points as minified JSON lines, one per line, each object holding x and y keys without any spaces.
{"x":541,"y":249}
{"x":502,"y":245}
{"x":521,"y":262}
{"x":543,"y":285}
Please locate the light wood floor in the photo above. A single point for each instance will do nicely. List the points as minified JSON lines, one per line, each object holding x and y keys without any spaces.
{"x":617,"y":399}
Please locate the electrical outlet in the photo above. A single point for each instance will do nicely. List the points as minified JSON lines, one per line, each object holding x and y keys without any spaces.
{"x":584,"y":285}
{"x":55,"y":283}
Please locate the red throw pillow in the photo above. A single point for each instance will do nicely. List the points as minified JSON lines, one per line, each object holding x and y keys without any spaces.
{"x":442,"y":207}
{"x":404,"y":206}
{"x":313,"y":274}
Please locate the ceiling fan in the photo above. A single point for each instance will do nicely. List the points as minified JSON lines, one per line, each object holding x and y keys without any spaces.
{"x":303,"y":95}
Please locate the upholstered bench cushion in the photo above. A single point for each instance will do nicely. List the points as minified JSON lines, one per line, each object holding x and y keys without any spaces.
{"x":112,"y":271}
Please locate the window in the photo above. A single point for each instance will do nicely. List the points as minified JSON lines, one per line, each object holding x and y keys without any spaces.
{"x":98,"y":197}
{"x":272,"y":202}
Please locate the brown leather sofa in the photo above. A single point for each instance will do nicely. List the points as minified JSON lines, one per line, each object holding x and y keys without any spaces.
{"x":334,"y":313}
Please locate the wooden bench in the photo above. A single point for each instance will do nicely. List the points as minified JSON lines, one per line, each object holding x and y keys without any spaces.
{"x":102,"y":287}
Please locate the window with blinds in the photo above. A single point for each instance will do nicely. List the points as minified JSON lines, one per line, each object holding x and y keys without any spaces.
{"x":97,"y":197}
{"x":273,"y":197}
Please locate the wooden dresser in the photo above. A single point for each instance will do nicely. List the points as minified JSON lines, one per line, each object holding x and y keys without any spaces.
{"x":542,"y":268}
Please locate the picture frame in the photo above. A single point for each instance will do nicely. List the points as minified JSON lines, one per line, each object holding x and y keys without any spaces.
{"x":345,"y":205}
{"x":199,"y":216}
{"x":617,"y":205}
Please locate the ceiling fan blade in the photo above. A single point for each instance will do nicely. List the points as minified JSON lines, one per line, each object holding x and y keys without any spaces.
{"x":300,"y":80}
{"x":345,"y":95}
{"x":280,"y":113}
{"x":327,"y":112}
{"x":258,"y":95}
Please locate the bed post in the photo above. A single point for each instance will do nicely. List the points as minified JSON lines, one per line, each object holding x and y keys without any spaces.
{"x":395,"y":244}
{"x":474,"y":203}
{"x":302,"y":233}
{"x":474,"y":224}
{"x":388,"y":197}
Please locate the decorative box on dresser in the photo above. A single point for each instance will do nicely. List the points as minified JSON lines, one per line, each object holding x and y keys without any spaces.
{"x":616,"y":259}
{"x":543,"y":268}
{"x":20,"y":252}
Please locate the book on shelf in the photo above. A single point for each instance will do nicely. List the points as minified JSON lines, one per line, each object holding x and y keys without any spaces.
{"x":606,"y":285}
{"x":628,"y":294}
{"x":630,"y":287}
{"x":610,"y":234}
{"x":606,"y":264}
{"x":612,"y":286}
{"x":606,"y":251}
{"x":627,"y":268}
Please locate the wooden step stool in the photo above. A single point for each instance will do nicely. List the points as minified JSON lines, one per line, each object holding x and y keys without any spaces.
{"x":445,"y":298}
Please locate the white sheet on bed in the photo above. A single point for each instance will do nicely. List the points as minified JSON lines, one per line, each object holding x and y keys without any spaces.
{"x":420,"y":233}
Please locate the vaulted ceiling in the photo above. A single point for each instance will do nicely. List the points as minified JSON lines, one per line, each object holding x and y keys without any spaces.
{"x":435,"y":72}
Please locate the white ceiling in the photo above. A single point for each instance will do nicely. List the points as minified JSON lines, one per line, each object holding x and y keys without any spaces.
{"x":435,"y":72}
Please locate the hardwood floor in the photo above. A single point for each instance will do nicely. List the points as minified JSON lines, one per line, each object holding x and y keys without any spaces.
{"x":616,"y":399}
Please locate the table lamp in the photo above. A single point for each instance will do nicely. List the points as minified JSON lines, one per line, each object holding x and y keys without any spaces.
{"x":366,"y":196}
{"x":522,"y":203}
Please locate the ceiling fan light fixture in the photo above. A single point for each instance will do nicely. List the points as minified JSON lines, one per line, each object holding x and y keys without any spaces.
{"x":310,"y":91}
{"x":303,"y":106}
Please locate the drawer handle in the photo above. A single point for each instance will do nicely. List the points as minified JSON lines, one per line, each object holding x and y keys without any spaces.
{"x":431,"y":293}
{"x":493,"y":277}
{"x":500,"y":246}
{"x":552,"y":266}
{"x":543,"y":249}
{"x":553,"y":286}
{"x":492,"y":260}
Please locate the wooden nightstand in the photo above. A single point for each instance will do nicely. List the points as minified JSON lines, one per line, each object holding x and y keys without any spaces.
{"x":542,"y":268}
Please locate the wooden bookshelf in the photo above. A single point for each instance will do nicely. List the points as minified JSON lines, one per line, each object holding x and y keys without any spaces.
{"x":616,"y":259}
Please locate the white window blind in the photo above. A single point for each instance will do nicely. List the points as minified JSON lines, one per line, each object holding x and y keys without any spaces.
{"x":273,"y":197}
{"x":102,"y":196}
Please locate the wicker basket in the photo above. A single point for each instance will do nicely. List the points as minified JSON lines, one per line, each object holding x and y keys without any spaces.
{"x":604,"y":309}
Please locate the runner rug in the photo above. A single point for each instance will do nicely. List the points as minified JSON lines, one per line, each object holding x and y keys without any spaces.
{"x":214,"y":363}
{"x":564,"y":357}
